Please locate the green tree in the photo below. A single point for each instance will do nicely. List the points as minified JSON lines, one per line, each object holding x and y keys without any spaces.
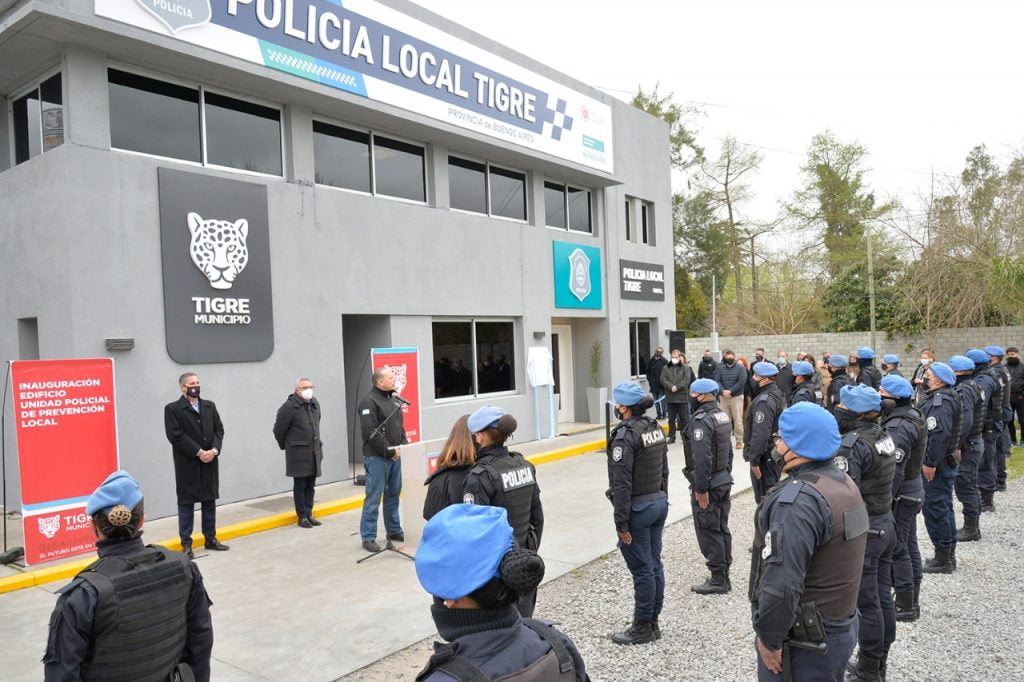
{"x":685,"y":151}
{"x":846,"y":300}
{"x":692,"y":310}
{"x":701,"y":242}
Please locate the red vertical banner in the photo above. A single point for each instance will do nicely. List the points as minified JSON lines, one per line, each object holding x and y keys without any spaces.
{"x":66,"y":429}
{"x":405,"y":365}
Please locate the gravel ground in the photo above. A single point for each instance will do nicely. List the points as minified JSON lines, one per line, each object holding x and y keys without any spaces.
{"x":972,"y":625}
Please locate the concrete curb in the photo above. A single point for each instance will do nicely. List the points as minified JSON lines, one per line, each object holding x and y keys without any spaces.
{"x":66,"y":571}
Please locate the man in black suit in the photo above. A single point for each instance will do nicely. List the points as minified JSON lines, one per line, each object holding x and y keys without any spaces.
{"x":195,"y":432}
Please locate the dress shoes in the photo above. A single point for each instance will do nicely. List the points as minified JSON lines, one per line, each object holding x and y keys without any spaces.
{"x":187,"y":551}
{"x":216,"y":546}
{"x":372,"y":546}
{"x":305,"y":523}
{"x":313,"y":521}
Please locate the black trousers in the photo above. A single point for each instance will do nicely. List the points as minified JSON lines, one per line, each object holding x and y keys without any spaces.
{"x":302,"y":491}
{"x":712,"y":528}
{"x":1017,"y":425}
{"x":678,"y":413}
{"x":186,"y":521}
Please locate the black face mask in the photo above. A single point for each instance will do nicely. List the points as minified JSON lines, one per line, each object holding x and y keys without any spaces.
{"x":755,"y":383}
{"x":1013,"y":362}
{"x":730,"y":361}
{"x":887,"y":405}
{"x":695,"y":404}
{"x":192,"y":391}
{"x":779,"y":457}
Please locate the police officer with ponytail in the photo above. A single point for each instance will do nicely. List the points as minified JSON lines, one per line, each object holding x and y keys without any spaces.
{"x":638,"y":490}
{"x":505,"y":479}
{"x":97,"y":626}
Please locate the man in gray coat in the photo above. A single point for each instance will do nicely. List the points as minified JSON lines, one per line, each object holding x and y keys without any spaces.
{"x":297,"y":431}
{"x":676,"y":379}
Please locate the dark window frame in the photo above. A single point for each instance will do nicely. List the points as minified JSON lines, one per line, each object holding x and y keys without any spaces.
{"x":489,"y":170}
{"x":39,"y":129}
{"x":567,"y":190}
{"x":475,"y":393}
{"x":637,"y":356}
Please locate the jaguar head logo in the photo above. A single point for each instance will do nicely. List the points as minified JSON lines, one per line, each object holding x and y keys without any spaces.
{"x":218,"y":248}
{"x":48,"y":525}
{"x":400,"y":373}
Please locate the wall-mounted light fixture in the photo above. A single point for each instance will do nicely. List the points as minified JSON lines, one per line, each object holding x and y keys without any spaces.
{"x":120,"y":344}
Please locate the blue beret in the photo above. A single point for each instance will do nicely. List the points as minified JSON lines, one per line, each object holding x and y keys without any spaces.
{"x":704,"y":386}
{"x":809,"y":431}
{"x":995,"y":350}
{"x":119,"y":488}
{"x":628,"y":393}
{"x":943,"y":373}
{"x":838,"y":360}
{"x":860,"y":398}
{"x":803,"y":368}
{"x":865,"y":352}
{"x":897,"y":386}
{"x":462,"y":548}
{"x":961,"y":363}
{"x":977,"y":356}
{"x":765,"y":369}
{"x":484,"y":418}
{"x":891,"y":359}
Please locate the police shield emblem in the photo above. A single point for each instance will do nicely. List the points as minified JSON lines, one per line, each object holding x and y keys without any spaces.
{"x":841,"y":463}
{"x":698,"y":434}
{"x":179,"y":14}
{"x":579,"y":274}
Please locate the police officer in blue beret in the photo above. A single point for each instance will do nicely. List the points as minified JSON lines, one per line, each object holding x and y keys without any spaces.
{"x":810,"y":534}
{"x":707,"y":448}
{"x":867,"y":373}
{"x":469,"y":562}
{"x":943,"y":414}
{"x":1001,"y":375}
{"x":137,"y":613}
{"x":905,"y":424}
{"x":868,"y":454}
{"x":891,"y":365}
{"x":837,"y":364}
{"x":804,"y":390}
{"x":992,"y":391}
{"x":760,"y":424}
{"x":505,"y":479}
{"x":638,"y":490}
{"x":972,"y":446}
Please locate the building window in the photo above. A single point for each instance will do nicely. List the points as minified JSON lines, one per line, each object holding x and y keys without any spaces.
{"x":163,"y":119}
{"x":567,"y":207}
{"x":483,"y":188}
{"x":639,"y":346}
{"x":38,"y":120}
{"x":399,"y":169}
{"x":342,"y":157}
{"x":644,"y":210}
{"x":473,"y":357}
{"x":629,"y":224}
{"x":646,"y":223}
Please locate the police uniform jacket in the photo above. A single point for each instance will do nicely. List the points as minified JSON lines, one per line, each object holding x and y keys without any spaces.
{"x":805,"y":392}
{"x":707,"y":448}
{"x":761,"y":424}
{"x":895,"y":371}
{"x":444,"y":487}
{"x":374,"y":410}
{"x":906,"y":426}
{"x":942,"y":414}
{"x":973,"y":409}
{"x":506,"y":479}
{"x":784,"y":379}
{"x":839,"y":379}
{"x":811,"y":532}
{"x":297,"y":432}
{"x":637,"y":466}
{"x":869,"y":375}
{"x":73,"y":625}
{"x":868,"y":454}
{"x":989,"y":389}
{"x":189,"y":432}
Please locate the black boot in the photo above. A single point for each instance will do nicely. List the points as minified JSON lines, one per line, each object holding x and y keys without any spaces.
{"x":905,"y":607}
{"x":988,"y":503}
{"x":863,"y":667}
{"x":656,"y":629}
{"x":952,"y":556}
{"x":917,"y":602}
{"x":716,"y":583}
{"x":882,"y":665}
{"x":970,"y":532}
{"x":942,"y":563}
{"x":640,"y":633}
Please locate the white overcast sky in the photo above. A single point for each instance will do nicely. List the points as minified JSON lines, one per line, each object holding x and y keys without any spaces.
{"x":918,"y":83}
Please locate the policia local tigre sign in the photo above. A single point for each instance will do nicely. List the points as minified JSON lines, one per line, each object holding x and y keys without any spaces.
{"x":642,"y":281}
{"x":369,"y":49}
{"x":214,"y":242}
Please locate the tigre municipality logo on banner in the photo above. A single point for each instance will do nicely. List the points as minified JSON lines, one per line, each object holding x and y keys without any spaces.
{"x":218,"y":248}
{"x":179,"y":14}
{"x":49,"y":525}
{"x":579,"y":274}
{"x":399,"y":371}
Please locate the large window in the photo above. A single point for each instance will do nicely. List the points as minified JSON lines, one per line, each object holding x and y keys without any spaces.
{"x":38,"y":118}
{"x":473,"y":357}
{"x":567,"y":207}
{"x":639,"y":221}
{"x":639,"y":346}
{"x":368,"y":162}
{"x":484,"y":188}
{"x":155,"y":117}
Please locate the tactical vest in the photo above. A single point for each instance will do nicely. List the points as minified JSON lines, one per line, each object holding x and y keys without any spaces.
{"x":978,"y":413}
{"x":912,"y":460}
{"x":140,"y":624}
{"x":1007,"y":388}
{"x":515,"y":479}
{"x":806,"y":393}
{"x":999,"y":397}
{"x":649,"y":459}
{"x":936,"y":398}
{"x":718,"y":428}
{"x":554,"y":666}
{"x":876,"y":489}
{"x":833,"y":576}
{"x":870,"y":376}
{"x":838,"y":381}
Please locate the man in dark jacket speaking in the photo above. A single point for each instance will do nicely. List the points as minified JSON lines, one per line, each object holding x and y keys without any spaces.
{"x":196,"y":434}
{"x":297,"y":431}
{"x":380,"y":419}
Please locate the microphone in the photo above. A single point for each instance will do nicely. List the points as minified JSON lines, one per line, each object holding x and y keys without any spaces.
{"x":400,"y":399}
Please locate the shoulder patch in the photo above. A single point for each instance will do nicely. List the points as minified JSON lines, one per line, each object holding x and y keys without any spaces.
{"x":766,"y":551}
{"x":899,"y":455}
{"x":698,"y":434}
{"x":759,"y":417}
{"x":617,"y":454}
{"x":932,"y":423}
{"x":468,"y":498}
{"x":886,"y":446}
{"x":841,"y":463}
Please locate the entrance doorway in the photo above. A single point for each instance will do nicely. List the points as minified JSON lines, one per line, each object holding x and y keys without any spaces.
{"x":561,"y":354}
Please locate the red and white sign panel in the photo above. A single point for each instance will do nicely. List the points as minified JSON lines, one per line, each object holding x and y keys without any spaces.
{"x":405,"y":365}
{"x":66,"y":429}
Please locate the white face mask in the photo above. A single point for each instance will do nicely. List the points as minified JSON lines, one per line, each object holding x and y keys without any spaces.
{"x":675,"y":361}
{"x":306,"y":393}
{"x":925,"y":361}
{"x":781,"y":362}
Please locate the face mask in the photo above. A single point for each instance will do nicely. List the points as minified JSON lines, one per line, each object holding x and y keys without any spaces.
{"x":1013,"y":362}
{"x":695,"y":403}
{"x":925,"y":361}
{"x":192,"y":391}
{"x":730,"y":361}
{"x":755,"y":382}
{"x":778,"y":457}
{"x":759,"y":357}
{"x":620,"y":414}
{"x":781,"y":362}
{"x":306,"y":393}
{"x":675,"y":361}
{"x":707,"y":358}
{"x":887,"y":405}
{"x":657,"y":353}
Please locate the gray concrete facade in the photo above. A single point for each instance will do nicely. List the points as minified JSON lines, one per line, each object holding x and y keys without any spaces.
{"x":80,"y":249}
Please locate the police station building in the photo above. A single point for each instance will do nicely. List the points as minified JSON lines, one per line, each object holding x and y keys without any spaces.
{"x":258,"y":190}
